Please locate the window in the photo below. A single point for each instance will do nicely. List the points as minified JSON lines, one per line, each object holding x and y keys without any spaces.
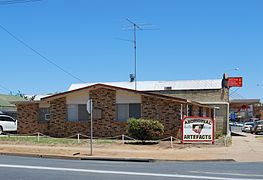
{"x":83,"y":114}
{"x":4,"y":118}
{"x":44,"y":114}
{"x":122,"y":112}
{"x":126,"y":111}
{"x":78,"y":112}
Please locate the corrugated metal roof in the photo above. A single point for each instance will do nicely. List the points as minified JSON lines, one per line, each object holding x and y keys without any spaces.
{"x":160,"y":85}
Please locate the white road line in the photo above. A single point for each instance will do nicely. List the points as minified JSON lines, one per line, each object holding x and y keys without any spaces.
{"x":232,"y":174}
{"x":118,"y":172}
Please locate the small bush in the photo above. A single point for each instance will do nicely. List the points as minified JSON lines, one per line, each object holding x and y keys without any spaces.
{"x":145,"y":129}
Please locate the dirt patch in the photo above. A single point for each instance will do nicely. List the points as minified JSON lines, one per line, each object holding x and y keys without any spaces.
{"x":162,"y":150}
{"x":260,"y":138}
{"x":117,"y":149}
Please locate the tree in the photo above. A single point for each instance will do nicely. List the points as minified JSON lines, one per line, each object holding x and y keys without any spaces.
{"x":30,"y":98}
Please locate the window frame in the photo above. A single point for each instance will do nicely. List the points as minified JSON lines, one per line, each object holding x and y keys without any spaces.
{"x":128,"y":111}
{"x":42,"y":111}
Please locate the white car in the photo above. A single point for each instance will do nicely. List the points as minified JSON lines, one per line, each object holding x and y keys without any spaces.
{"x":7,"y":124}
{"x":248,"y":127}
{"x":239,"y":124}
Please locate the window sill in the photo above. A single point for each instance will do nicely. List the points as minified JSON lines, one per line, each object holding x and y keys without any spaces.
{"x":78,"y":121}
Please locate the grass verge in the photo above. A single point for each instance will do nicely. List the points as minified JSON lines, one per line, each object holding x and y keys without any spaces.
{"x":51,"y":141}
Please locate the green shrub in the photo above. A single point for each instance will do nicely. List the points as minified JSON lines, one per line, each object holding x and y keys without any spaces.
{"x":145,"y":129}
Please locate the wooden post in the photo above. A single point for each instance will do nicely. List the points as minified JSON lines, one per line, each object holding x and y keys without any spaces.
{"x":171,"y":141}
{"x":37,"y":136}
{"x":78,"y":139}
{"x":122,"y":138}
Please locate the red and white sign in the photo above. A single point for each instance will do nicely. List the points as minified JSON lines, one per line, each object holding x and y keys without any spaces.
{"x":234,"y":82}
{"x":197,"y":130}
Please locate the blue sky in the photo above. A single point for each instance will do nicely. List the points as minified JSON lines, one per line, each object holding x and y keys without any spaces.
{"x":193,"y":40}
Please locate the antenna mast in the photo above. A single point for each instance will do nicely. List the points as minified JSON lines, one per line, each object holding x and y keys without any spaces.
{"x":135,"y":27}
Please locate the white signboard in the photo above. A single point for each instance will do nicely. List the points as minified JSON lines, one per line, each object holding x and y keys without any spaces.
{"x":197,"y":130}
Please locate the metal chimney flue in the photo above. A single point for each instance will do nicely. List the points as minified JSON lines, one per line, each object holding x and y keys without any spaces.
{"x":132,"y":77}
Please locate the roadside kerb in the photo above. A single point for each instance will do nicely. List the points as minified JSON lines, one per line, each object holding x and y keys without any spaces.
{"x":97,"y":158}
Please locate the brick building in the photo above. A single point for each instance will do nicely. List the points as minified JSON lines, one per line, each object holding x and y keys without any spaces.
{"x":65,"y":114}
{"x":207,"y":92}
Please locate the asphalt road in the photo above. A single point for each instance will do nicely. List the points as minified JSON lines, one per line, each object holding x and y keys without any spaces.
{"x":25,"y":168}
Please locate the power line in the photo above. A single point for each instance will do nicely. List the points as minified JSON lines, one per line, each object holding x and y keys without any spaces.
{"x":5,"y":88}
{"x":17,"y":1}
{"x":233,"y":94}
{"x":233,"y":91}
{"x":39,"y":54}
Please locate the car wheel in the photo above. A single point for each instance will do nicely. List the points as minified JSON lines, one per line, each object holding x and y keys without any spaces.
{"x":1,"y":130}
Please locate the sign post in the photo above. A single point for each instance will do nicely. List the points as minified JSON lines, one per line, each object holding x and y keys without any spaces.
{"x":197,"y":130}
{"x":90,"y":109}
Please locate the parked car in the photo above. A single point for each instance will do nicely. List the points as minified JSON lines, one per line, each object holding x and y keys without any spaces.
{"x":248,"y":126}
{"x":258,"y":128}
{"x":239,"y":124}
{"x":7,"y":124}
{"x":231,"y":123}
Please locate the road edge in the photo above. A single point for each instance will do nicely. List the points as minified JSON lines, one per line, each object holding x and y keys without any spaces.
{"x":120,"y":159}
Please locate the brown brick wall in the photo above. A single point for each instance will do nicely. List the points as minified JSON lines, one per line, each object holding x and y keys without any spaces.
{"x":105,"y":100}
{"x":216,"y":95}
{"x":27,"y":116}
{"x":59,"y":126}
{"x":58,"y":116}
{"x":166,"y":111}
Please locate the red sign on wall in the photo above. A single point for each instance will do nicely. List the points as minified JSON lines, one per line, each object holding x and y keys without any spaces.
{"x":235,"y":82}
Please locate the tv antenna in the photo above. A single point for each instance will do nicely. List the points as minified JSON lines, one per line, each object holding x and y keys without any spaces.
{"x":134,"y":27}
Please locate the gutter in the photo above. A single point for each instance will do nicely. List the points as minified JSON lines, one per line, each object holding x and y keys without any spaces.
{"x":214,"y":103}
